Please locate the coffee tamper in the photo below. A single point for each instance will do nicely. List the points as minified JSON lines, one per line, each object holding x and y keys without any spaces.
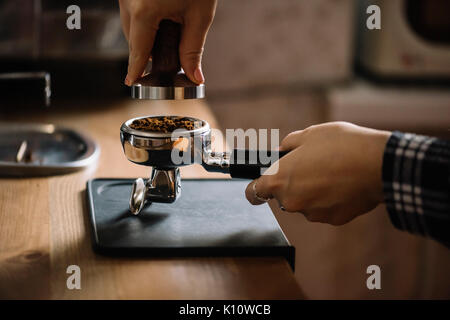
{"x":166,"y":80}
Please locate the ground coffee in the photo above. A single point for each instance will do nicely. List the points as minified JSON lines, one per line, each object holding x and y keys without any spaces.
{"x":163,"y":124}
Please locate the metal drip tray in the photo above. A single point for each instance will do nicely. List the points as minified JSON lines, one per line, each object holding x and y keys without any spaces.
{"x":43,"y":149}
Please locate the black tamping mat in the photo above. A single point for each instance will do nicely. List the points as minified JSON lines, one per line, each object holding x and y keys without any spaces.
{"x":210,"y":218}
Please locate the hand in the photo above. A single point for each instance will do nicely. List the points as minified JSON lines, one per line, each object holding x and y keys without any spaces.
{"x":140,"y":21}
{"x":332,"y":174}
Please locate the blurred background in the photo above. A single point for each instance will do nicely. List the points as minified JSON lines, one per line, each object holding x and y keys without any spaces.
{"x":273,"y":64}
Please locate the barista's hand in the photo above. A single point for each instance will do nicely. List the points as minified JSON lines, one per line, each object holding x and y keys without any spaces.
{"x":140,"y":21}
{"x":332,"y":175}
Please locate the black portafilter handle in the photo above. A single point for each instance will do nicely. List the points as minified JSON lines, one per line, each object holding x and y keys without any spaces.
{"x":247,"y":164}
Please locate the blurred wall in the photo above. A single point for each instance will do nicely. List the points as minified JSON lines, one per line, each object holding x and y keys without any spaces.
{"x":260,"y":43}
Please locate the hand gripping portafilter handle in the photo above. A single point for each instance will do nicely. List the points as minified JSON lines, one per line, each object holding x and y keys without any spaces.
{"x":165,"y":52}
{"x":247,"y":164}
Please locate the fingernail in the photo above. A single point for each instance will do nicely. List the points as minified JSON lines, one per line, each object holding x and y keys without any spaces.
{"x":127,"y":81}
{"x":198,"y":75}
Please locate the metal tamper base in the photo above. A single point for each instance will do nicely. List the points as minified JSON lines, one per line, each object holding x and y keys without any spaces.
{"x":182,"y":88}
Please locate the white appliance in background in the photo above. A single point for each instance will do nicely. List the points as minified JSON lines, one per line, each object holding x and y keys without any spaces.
{"x":414,"y":40}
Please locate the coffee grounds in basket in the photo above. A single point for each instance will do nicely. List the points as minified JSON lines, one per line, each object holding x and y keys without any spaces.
{"x":163,"y":124}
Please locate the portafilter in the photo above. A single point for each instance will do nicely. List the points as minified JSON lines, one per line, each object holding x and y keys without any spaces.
{"x":165,"y":152}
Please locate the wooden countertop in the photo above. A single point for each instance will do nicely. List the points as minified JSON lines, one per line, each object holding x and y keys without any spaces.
{"x":44,"y":227}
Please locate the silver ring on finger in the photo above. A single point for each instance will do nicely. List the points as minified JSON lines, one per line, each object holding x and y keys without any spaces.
{"x":259,"y":198}
{"x":282,"y":208}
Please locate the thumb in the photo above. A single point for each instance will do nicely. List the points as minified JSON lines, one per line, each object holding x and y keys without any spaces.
{"x":193,"y":38}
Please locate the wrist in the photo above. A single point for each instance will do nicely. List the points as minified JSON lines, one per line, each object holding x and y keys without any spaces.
{"x":378,"y":141}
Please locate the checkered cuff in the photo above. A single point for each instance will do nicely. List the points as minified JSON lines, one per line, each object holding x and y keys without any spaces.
{"x":416,"y":182}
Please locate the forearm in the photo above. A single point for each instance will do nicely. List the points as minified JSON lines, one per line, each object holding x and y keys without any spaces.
{"x":416,"y":183}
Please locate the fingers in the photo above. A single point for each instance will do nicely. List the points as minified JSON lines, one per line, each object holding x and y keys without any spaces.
{"x":279,"y":185}
{"x":258,"y":190}
{"x":141,"y":38}
{"x":125,"y":19}
{"x":263,"y":189}
{"x":140,"y":22}
{"x":193,"y":38}
{"x":292,"y":140}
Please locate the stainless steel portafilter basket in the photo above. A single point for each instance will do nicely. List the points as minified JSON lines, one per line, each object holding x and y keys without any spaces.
{"x":166,"y":152}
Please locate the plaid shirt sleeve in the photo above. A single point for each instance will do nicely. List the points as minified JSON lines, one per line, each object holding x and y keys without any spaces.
{"x":416,"y":183}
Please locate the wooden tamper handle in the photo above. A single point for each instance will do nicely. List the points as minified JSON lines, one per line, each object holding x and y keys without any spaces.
{"x":165,"y":52}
